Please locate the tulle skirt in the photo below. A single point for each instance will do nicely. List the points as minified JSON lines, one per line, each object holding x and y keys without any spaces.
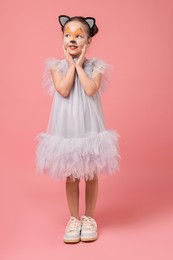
{"x":79,"y":158}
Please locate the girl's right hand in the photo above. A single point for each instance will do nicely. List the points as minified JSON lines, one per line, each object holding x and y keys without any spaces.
{"x":68,"y":57}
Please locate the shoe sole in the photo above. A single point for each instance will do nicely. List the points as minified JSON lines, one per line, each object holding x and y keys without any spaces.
{"x":88,"y":239}
{"x":69,"y":241}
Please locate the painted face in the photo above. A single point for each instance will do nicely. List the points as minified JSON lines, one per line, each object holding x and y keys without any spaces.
{"x":75,"y":36}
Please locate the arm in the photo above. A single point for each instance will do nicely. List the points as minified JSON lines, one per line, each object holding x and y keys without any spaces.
{"x":63,"y":84}
{"x":90,"y":85}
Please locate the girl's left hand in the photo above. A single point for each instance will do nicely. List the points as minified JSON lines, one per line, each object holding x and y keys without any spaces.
{"x":81,"y":59}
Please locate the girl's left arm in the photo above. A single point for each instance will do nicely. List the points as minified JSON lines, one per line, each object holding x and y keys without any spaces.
{"x":90,"y":85}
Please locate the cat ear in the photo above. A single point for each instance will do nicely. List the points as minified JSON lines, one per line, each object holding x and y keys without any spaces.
{"x":90,"y":21}
{"x":63,"y":19}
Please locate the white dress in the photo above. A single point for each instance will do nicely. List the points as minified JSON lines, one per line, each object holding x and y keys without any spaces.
{"x":76,"y":142}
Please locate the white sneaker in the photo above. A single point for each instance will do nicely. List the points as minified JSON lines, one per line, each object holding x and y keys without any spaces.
{"x":72,"y":231}
{"x":89,"y":229}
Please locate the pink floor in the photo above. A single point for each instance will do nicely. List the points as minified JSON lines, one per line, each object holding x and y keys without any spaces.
{"x":135,"y":218}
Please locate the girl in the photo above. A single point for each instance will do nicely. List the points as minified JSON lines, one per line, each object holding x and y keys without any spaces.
{"x":77,"y":145}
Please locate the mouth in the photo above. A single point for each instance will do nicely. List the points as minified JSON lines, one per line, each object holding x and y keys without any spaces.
{"x":73,"y":47}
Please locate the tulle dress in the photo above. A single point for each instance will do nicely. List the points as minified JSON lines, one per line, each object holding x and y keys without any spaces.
{"x":76,"y":142}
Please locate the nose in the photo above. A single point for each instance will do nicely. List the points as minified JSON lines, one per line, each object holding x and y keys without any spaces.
{"x":72,"y":41}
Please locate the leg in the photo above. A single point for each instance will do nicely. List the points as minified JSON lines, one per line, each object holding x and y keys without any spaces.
{"x":72,"y":193}
{"x":91,"y":192}
{"x":89,"y":226}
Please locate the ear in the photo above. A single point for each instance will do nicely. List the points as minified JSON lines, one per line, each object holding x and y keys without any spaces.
{"x":63,"y":19}
{"x":90,"y":21}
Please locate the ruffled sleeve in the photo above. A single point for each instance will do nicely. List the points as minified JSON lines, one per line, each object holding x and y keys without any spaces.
{"x":47,"y":81}
{"x":100,"y":66}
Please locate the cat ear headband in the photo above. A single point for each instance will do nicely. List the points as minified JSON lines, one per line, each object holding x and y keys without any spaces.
{"x":64,"y":18}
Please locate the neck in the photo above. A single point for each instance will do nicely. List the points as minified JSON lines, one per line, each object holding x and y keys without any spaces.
{"x":75,"y":56}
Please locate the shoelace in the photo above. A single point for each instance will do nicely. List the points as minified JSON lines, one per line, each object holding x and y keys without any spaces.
{"x":73,"y":224}
{"x":88,"y":223}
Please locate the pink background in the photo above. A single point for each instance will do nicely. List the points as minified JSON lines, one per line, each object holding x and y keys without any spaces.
{"x":134,"y":210}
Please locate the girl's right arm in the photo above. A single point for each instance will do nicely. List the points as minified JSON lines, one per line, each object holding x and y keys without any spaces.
{"x":64,"y":84}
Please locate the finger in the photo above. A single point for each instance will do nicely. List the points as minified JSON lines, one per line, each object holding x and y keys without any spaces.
{"x":65,"y":52}
{"x":68,"y":54}
{"x":63,"y":47}
{"x":84,"y":48}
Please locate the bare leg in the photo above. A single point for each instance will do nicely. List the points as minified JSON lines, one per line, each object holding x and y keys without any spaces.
{"x":91,"y":192}
{"x":72,"y":193}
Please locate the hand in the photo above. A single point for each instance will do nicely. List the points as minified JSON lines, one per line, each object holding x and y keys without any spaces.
{"x":81,"y":59}
{"x":68,"y":57}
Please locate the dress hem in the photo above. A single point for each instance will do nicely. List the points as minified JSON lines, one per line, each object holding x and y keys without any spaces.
{"x":80,"y":157}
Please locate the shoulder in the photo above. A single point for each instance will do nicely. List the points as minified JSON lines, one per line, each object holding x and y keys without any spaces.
{"x":94,"y":60}
{"x":54,"y":63}
{"x":97,"y":64}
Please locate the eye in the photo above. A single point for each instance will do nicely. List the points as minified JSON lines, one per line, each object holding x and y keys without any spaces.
{"x":79,"y":36}
{"x":67,"y":35}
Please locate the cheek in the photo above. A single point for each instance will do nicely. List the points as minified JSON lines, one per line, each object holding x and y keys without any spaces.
{"x":81,"y":41}
{"x":66,"y":41}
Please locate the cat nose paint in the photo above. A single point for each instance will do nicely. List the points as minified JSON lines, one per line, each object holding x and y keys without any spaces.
{"x":72,"y":41}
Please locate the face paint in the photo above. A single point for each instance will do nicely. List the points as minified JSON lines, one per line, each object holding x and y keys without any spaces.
{"x":75,"y":35}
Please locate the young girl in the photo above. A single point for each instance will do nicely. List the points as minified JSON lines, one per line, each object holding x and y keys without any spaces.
{"x":77,"y":145}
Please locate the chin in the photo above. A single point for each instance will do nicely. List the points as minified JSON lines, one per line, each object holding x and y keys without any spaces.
{"x":73,"y":53}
